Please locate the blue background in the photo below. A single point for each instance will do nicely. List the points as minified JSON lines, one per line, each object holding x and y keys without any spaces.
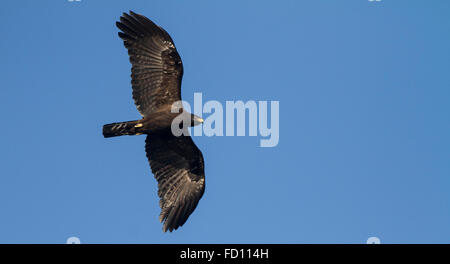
{"x":364,"y":91}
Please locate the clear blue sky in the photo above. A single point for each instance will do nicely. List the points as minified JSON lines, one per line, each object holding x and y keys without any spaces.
{"x":364,"y":91}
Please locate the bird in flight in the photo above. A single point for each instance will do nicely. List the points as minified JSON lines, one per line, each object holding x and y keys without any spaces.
{"x":156,"y":75}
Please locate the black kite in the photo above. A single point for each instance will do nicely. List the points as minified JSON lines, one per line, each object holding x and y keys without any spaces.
{"x":156,"y":75}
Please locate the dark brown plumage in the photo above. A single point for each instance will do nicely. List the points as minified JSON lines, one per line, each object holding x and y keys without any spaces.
{"x":156,"y":75}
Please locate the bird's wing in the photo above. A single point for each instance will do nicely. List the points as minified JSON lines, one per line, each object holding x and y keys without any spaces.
{"x":156,"y":65}
{"x":178,"y":167}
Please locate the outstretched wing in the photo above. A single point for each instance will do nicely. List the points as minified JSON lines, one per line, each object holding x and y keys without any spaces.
{"x":156,"y":65}
{"x":178,"y":167}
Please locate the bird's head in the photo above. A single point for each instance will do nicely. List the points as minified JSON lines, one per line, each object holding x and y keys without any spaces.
{"x":196,"y":120}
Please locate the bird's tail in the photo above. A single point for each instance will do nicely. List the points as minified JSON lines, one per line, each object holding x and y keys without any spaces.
{"x":120,"y":129}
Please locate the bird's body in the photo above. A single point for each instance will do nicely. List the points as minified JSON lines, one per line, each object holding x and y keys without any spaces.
{"x":153,"y":123}
{"x":156,"y":75}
